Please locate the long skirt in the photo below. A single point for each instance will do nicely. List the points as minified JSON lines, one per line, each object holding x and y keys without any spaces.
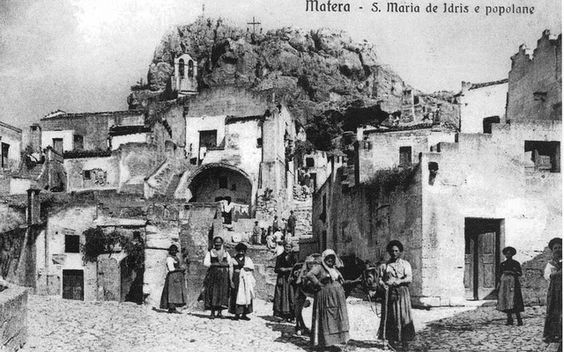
{"x":509,"y":297}
{"x":553,"y":322}
{"x":174,"y":294}
{"x":283,"y":298}
{"x":235,"y":308}
{"x":216,"y":288}
{"x":330,"y":320}
{"x":396,"y":316}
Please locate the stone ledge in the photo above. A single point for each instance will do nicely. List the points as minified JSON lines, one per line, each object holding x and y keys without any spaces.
{"x":13,"y":318}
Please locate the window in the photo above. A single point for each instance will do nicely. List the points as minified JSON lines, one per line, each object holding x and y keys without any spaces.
{"x":222,"y":182}
{"x":487,"y":123}
{"x":181,"y":68}
{"x":310,"y":162}
{"x":5,"y":150}
{"x":405,"y":156}
{"x":58,"y":145}
{"x":72,"y":244}
{"x":208,"y":139}
{"x":545,"y":155}
{"x":190,"y":68}
{"x":259,"y":142}
{"x":78,"y":142}
{"x":87,"y":175}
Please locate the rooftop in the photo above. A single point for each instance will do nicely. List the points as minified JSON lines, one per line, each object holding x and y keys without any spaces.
{"x":59,"y":114}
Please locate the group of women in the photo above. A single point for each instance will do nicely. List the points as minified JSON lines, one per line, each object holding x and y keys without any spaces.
{"x":330,"y":323}
{"x":229,"y":284}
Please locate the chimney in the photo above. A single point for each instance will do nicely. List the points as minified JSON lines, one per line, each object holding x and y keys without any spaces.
{"x":33,"y":207}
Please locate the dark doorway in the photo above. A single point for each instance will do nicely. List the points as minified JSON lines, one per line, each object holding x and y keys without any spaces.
{"x":73,"y":284}
{"x":131,"y":281}
{"x":483,"y":239}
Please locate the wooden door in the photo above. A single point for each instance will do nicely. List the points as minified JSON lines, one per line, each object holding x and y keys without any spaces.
{"x":486,"y":264}
{"x":109,"y":279}
{"x":73,"y":284}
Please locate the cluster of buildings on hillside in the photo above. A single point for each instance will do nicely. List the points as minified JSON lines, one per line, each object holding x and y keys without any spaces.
{"x":160,"y":171}
{"x":456,"y":198}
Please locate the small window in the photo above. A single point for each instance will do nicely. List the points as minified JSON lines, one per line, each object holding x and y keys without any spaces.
{"x":72,"y":244}
{"x":310,"y":162}
{"x":259,"y":142}
{"x":416,"y":101}
{"x":78,"y":141}
{"x":222,"y":182}
{"x":405,"y":156}
{"x":87,"y":175}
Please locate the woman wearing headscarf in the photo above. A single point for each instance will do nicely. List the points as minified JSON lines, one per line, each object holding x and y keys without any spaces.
{"x":243,"y":290}
{"x":218,"y":279}
{"x":330,"y":320}
{"x":284,"y":293}
{"x":395,"y":275}
{"x":173,"y":295}
{"x":302,"y":287}
{"x":509,"y":297}
{"x":553,"y":274}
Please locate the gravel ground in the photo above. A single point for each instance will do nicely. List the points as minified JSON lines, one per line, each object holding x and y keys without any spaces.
{"x":65,"y":325}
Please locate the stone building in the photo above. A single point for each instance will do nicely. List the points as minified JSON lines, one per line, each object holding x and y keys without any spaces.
{"x":454,"y":199}
{"x":481,"y":105}
{"x":11,"y":139}
{"x":155,"y":173}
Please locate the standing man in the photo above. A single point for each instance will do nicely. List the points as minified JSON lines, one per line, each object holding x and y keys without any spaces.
{"x":291,"y":224}
{"x":257,"y":232}
{"x":275,"y":224}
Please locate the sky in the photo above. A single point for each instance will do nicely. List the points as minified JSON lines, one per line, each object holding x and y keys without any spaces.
{"x":83,"y":55}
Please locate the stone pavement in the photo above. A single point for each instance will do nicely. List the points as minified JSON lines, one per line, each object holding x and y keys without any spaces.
{"x":64,"y":325}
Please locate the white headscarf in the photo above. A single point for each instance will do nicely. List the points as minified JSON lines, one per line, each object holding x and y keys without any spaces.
{"x":335,"y":274}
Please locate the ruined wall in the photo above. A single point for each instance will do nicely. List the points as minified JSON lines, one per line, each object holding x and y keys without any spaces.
{"x":535,"y":83}
{"x":361,"y":221}
{"x":486,"y":176}
{"x":382,"y":150}
{"x":94,"y":127}
{"x":92,"y":173}
{"x":13,"y":318}
{"x":479,"y":101}
{"x":174,"y":116}
{"x":137,"y":161}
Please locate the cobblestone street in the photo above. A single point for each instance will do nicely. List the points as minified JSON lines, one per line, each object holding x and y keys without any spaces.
{"x":66,"y":325}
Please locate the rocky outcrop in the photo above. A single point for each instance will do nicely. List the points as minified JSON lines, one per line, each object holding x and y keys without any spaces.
{"x":315,"y":72}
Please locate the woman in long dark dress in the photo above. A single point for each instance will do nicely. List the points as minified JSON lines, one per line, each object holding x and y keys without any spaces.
{"x":396,"y":276}
{"x":242,"y":293}
{"x":510,"y":297}
{"x":284,"y":293}
{"x":553,"y":273}
{"x":174,"y":294}
{"x":330,"y":320}
{"x":218,"y":278}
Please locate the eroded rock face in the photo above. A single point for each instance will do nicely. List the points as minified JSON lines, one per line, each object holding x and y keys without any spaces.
{"x":314,"y":71}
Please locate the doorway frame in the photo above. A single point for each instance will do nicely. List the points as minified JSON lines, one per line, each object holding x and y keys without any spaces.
{"x":499,"y":224}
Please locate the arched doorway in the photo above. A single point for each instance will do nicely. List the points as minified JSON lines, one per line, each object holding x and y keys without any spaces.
{"x":217,"y":181}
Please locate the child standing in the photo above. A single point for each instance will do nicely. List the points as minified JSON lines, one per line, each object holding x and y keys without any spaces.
{"x":509,"y":296}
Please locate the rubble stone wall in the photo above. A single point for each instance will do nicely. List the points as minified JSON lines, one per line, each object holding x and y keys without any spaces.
{"x":13,"y":318}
